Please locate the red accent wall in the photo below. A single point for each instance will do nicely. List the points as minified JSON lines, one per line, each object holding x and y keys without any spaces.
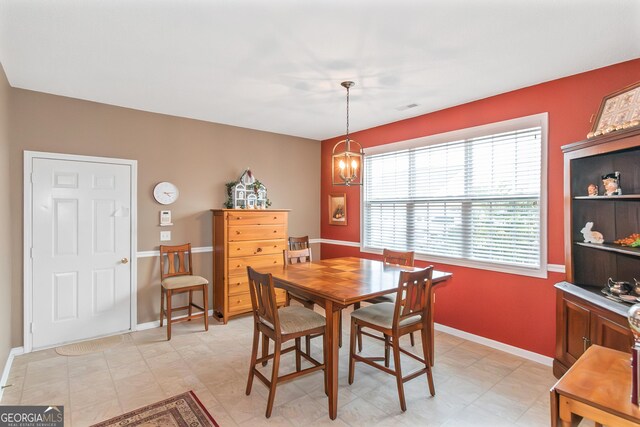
{"x":516,"y":310}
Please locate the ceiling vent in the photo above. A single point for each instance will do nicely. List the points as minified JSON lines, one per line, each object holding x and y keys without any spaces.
{"x":406,"y":107}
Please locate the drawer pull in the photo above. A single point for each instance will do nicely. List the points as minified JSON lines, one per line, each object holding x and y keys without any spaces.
{"x":275,"y":262}
{"x":259,"y":250}
{"x":275,"y":231}
{"x":275,"y":217}
{"x":237,"y":232}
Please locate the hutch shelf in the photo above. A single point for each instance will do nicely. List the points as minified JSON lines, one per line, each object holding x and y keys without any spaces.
{"x":584,"y":316}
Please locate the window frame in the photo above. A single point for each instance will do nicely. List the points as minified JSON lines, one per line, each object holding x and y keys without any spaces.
{"x":534,"y":120}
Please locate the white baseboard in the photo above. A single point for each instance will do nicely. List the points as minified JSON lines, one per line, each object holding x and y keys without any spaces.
{"x":7,"y":368}
{"x":526,"y":354}
{"x":156,"y":323}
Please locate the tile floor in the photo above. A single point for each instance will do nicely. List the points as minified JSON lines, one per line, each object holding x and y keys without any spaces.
{"x":475,"y":385}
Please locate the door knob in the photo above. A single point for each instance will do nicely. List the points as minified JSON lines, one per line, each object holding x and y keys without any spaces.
{"x":124,"y":260}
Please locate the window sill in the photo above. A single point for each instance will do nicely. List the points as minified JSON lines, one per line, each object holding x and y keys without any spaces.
{"x":540,"y":272}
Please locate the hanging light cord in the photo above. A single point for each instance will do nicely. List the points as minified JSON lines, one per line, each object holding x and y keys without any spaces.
{"x":347,"y":118}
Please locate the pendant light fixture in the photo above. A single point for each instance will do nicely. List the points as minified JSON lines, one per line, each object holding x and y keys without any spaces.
{"x":346,"y":166}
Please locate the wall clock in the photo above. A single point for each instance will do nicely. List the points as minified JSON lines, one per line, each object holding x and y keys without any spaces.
{"x":165,"y":193}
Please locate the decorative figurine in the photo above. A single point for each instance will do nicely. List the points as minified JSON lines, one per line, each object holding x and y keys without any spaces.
{"x":591,"y":236}
{"x":611,"y":183}
{"x":592,"y":190}
{"x":246,"y":193}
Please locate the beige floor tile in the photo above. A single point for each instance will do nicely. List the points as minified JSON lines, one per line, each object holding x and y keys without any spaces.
{"x":35,"y":356}
{"x":214,"y":407}
{"x":96,"y":413}
{"x":134,"y":382}
{"x":123,"y":357}
{"x":165,"y":360}
{"x":45,"y":378}
{"x":500,"y":405}
{"x":537,"y":415}
{"x":135,"y":397}
{"x":325,"y":421}
{"x":11,"y":395}
{"x":467,"y":391}
{"x":520,"y":391}
{"x":275,"y":421}
{"x":360,"y":413}
{"x":122,"y":372}
{"x":92,"y":395}
{"x":82,"y":367}
{"x":94,"y":379}
{"x":301,"y":411}
{"x":51,"y":392}
{"x":186,"y":383}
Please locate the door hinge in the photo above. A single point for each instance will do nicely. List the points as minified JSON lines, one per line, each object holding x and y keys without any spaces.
{"x":31,"y":253}
{"x":31,"y":177}
{"x":31,"y":327}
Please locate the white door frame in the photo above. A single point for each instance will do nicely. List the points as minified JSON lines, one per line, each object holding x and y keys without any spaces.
{"x":28,"y":233}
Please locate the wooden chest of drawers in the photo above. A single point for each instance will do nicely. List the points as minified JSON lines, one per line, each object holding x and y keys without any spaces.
{"x":244,"y":238}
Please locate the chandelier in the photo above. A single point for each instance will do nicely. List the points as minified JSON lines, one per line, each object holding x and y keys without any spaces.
{"x":346,"y":167}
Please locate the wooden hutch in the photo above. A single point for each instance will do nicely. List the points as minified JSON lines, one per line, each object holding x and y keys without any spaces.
{"x":584,"y":316}
{"x":241,"y":238}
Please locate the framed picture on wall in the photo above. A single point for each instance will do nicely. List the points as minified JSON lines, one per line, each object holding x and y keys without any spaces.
{"x":338,"y":209}
{"x":618,"y":110}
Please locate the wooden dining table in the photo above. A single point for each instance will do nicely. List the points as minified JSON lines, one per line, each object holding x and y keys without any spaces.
{"x":335,"y":284}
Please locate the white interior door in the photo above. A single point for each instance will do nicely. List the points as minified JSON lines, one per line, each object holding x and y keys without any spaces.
{"x":81,"y":247}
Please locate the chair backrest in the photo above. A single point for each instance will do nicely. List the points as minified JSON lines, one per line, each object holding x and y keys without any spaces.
{"x":398,"y":258}
{"x":296,"y":257}
{"x":414,"y":294}
{"x":263,"y":299}
{"x":175,"y":261}
{"x":296,"y":243}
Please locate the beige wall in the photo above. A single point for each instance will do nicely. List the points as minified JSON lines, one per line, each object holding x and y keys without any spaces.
{"x":5,"y":224}
{"x":197,"y":156}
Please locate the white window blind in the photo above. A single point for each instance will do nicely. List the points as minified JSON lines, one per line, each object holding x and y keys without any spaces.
{"x":476,"y":199}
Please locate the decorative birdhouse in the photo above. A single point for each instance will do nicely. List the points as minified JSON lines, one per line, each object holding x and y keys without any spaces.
{"x":247,"y":193}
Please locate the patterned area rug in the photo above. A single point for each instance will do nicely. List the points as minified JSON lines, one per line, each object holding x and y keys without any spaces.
{"x":91,"y":346}
{"x":182,"y":410}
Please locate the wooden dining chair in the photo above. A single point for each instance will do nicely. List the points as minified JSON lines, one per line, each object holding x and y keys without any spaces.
{"x":393,"y":258}
{"x":296,"y":243}
{"x":300,"y":256}
{"x":296,"y":257}
{"x":176,"y":276}
{"x":408,"y":314}
{"x":280,"y":325}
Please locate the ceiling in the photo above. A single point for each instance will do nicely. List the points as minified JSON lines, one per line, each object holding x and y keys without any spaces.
{"x":277,"y":65}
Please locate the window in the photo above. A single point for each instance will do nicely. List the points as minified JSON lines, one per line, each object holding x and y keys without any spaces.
{"x":474,"y":197}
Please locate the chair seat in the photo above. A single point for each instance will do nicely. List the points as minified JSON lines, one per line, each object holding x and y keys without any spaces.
{"x":297,"y":319}
{"x":177,"y":282}
{"x":383,"y":298}
{"x":382,"y":315}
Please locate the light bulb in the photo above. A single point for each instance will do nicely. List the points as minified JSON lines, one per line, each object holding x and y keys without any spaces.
{"x":341,"y":164}
{"x":354,"y":164}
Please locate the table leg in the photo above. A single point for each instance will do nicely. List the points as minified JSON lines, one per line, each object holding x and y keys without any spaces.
{"x":331,"y":362}
{"x":553,"y":406}
{"x":567,"y":417}
{"x":432,"y":342}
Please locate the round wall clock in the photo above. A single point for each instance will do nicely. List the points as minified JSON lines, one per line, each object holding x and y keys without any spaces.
{"x":165,"y":193}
